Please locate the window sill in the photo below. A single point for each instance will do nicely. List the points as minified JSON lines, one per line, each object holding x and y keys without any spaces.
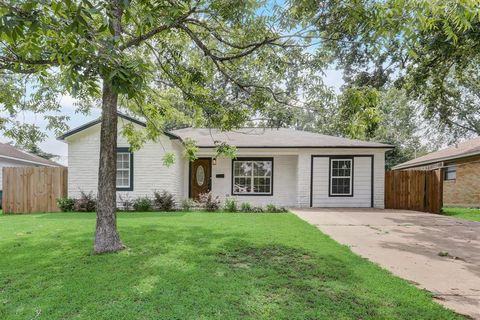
{"x":253,"y":194}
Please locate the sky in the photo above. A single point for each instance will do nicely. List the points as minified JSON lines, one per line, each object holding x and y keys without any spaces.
{"x":332,"y":78}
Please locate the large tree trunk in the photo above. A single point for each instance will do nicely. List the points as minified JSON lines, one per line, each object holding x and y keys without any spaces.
{"x":106,"y":235}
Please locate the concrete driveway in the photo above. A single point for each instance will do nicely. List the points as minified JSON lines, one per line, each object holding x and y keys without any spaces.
{"x":434,"y":252}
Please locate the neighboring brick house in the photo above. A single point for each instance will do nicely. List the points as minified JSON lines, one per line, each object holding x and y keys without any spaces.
{"x":461,"y":165}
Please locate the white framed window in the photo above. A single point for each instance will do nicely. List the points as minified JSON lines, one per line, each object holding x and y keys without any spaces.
{"x":341,"y":177}
{"x":252,"y":176}
{"x":124,"y":170}
{"x":450,"y":173}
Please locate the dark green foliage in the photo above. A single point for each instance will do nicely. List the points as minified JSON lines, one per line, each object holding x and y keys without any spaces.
{"x":66,"y":204}
{"x":188,"y":204}
{"x":142,"y":204}
{"x":428,"y":48}
{"x":230,"y":205}
{"x":163,"y":201}
{"x":246,"y":207}
{"x":213,"y":63}
{"x":209,"y":202}
{"x":86,"y":203}
{"x":274,"y":209}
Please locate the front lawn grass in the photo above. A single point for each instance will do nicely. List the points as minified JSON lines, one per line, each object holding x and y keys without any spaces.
{"x":194,"y":266}
{"x":463,"y":213}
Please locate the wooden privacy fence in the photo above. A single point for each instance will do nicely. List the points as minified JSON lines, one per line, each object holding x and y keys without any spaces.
{"x":33,"y":189}
{"x":414,"y":190}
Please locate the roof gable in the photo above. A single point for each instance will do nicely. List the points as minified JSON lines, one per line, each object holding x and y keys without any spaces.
{"x":99,"y":120}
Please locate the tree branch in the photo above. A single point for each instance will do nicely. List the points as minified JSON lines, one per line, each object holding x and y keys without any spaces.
{"x":215,"y":57}
{"x":141,"y":38}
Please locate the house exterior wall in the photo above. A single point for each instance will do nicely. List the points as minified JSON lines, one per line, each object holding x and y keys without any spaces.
{"x":362,"y":179}
{"x":284,"y":177}
{"x":291,"y":173}
{"x":294,"y":177}
{"x":149,"y":172}
{"x":362,"y":184}
{"x":464,"y":191}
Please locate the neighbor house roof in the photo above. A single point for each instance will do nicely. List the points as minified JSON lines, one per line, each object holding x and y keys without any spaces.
{"x":462,"y":150}
{"x":271,"y":138}
{"x":9,"y":152}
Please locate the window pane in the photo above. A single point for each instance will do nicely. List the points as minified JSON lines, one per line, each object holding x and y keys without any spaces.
{"x":262,"y":168}
{"x":252,"y":176}
{"x":262,"y":185}
{"x":242,"y":168}
{"x":242,"y":185}
{"x":451,"y":173}
{"x":341,"y":186}
{"x":123,"y":169}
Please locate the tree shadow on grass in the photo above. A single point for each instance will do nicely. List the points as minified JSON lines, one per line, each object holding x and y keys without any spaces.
{"x":186,"y":272}
{"x":92,"y":215}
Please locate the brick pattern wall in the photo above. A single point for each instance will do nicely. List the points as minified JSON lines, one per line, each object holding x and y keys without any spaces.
{"x":149,"y":171}
{"x":465,"y":190}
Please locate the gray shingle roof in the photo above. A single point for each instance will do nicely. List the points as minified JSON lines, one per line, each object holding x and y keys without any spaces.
{"x":252,"y":137}
{"x":271,"y":138}
{"x":461,"y":150}
{"x":8,"y":151}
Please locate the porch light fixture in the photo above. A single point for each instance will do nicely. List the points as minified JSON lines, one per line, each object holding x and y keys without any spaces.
{"x":214,"y":161}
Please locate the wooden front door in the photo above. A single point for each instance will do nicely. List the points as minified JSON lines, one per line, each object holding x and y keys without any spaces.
{"x":200,"y":176}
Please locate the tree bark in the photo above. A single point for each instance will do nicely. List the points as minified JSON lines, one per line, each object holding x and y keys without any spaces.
{"x":106,"y":235}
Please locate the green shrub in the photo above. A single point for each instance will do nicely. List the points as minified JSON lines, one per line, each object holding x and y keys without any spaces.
{"x":230,"y":205}
{"x":163,"y":201}
{"x":209,"y":202}
{"x":86,"y":202}
{"x":246,"y":207}
{"x":142,"y":204}
{"x":66,"y":204}
{"x":188,"y":204}
{"x":273,"y":208}
{"x":125,"y":202}
{"x":257,"y":210}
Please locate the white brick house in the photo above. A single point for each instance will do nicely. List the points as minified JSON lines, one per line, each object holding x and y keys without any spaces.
{"x":280,"y":166}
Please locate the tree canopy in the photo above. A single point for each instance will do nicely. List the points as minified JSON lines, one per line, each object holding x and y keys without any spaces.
{"x":429,"y":48}
{"x":211,"y":63}
{"x":204,"y":63}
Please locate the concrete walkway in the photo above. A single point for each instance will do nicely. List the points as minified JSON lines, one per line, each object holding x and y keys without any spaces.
{"x":434,"y":252}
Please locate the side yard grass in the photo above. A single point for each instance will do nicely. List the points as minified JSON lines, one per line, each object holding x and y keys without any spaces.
{"x":463,"y":213}
{"x":194,"y":266}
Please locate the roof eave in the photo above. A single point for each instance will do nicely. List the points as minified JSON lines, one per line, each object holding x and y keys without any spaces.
{"x":95,"y":122}
{"x":305,"y":147}
{"x":32,"y":161}
{"x":436,"y":160}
